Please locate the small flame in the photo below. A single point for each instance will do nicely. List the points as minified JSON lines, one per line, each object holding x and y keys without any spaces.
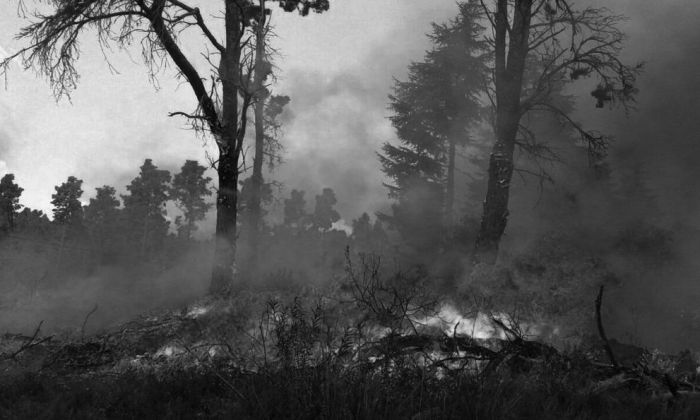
{"x":197,"y":311}
{"x":450,"y":321}
{"x":169,"y":351}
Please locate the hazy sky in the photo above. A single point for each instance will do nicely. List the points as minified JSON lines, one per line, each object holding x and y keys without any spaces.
{"x":337,"y":68}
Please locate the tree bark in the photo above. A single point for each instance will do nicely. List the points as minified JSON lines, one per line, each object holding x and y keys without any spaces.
{"x":510,"y":67}
{"x":229,"y":139}
{"x":495,"y":215}
{"x":226,"y":218}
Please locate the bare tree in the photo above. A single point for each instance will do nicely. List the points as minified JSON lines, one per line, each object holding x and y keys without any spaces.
{"x":263,"y":69}
{"x":156,"y":25}
{"x":539,"y":46}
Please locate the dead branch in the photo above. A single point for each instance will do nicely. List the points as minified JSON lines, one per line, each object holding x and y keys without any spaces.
{"x":601,"y":330}
{"x":614,"y":382}
{"x":31,"y":342}
{"x":82,"y":329}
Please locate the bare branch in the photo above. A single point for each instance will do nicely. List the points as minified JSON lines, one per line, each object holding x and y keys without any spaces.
{"x":194,"y":11}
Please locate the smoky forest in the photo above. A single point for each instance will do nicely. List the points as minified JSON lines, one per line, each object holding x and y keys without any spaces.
{"x":350,"y":209}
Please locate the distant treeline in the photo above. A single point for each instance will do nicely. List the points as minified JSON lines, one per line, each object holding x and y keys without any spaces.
{"x":134,"y":230}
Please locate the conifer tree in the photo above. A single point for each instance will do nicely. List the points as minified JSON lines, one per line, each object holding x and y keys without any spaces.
{"x":433,"y":112}
{"x":189,"y":189}
{"x":9,"y":201}
{"x":102,"y":220}
{"x":144,"y":208}
{"x":324,"y":214}
{"x":295,"y":210}
{"x":68,"y":210}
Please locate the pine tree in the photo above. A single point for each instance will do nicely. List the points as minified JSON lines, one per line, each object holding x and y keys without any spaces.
{"x":324,"y":214}
{"x":102,"y":221}
{"x":368,"y":237}
{"x":189,"y":189}
{"x":32,"y":222}
{"x":68,"y":210}
{"x":295,"y":211}
{"x":9,"y":201}
{"x":433,"y":112}
{"x":144,"y":208}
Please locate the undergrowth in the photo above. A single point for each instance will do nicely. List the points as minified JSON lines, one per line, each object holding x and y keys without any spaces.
{"x":359,"y":354}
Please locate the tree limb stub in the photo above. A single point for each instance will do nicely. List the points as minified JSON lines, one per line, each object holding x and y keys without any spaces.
{"x":601,"y":330}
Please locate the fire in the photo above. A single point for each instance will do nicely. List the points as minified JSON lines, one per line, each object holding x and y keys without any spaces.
{"x":197,"y":311}
{"x":451,"y":321}
{"x":170,"y":351}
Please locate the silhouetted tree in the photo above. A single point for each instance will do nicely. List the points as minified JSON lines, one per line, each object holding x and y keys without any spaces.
{"x":361,"y":228}
{"x":433,"y":112}
{"x":33,"y":222}
{"x":9,"y":201}
{"x":324,"y":214}
{"x":267,"y":146}
{"x":263,"y":70}
{"x":157,"y":26}
{"x":144,"y":207}
{"x":295,"y":211}
{"x":68,"y":210}
{"x":564,"y":44}
{"x":189,"y":189}
{"x":368,"y":237}
{"x":103,"y":222}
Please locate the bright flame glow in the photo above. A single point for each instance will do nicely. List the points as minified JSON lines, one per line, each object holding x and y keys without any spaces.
{"x":450,"y":321}
{"x":197,"y":311}
{"x":169,"y":351}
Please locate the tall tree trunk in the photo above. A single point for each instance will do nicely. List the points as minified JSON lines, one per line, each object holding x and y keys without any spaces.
{"x":255,"y":209}
{"x":61,"y":245}
{"x":510,"y":66}
{"x":190,"y":229}
{"x":11,"y":218}
{"x":495,"y":216}
{"x":226,"y":219}
{"x":229,"y":152}
{"x":144,"y":235}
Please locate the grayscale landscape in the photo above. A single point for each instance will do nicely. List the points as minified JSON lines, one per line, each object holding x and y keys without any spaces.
{"x":350,"y":209}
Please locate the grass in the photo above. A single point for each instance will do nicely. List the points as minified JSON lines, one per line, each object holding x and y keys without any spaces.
{"x":324,"y":392}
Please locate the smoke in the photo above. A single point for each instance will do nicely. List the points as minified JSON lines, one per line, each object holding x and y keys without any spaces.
{"x":340,"y":155}
{"x":120,"y":292}
{"x":641,"y":221}
{"x":336,"y":123}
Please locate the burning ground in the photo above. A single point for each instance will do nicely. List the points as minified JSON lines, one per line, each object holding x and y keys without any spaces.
{"x":367,"y":346}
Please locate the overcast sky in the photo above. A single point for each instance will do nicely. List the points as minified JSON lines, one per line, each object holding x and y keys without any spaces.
{"x":338,"y":69}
